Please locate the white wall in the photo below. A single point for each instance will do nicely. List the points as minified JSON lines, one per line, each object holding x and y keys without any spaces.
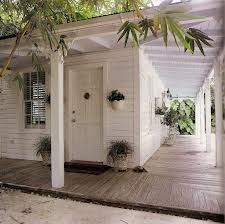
{"x":121,"y":71}
{"x":121,"y":66}
{"x":136,"y":124}
{"x":152,"y":132}
{"x":16,"y":142}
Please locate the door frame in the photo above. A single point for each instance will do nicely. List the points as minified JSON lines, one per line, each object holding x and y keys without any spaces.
{"x":69,"y":71}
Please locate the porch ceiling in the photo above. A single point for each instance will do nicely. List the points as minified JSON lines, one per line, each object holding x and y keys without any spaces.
{"x":183,"y":73}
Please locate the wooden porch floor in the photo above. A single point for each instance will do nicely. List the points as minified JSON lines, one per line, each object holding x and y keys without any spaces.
{"x":182,"y":176}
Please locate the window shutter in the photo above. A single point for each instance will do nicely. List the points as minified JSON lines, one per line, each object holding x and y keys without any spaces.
{"x":34,"y":99}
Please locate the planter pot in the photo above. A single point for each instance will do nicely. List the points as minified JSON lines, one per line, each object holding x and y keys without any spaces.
{"x":172,"y":136}
{"x":46,"y":157}
{"x":120,"y":163}
{"x":170,"y":140}
{"x":117,"y":105}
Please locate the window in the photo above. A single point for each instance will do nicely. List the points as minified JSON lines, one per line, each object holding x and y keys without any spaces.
{"x":34,"y":100}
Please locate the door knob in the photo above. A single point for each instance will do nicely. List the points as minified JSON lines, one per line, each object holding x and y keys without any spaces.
{"x":73,"y":120}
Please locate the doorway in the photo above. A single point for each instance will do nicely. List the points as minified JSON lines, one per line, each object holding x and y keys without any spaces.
{"x":86,"y":94}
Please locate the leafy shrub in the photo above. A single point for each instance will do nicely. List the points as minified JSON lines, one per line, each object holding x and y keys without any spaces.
{"x":170,"y":118}
{"x":185,"y":111}
{"x":43,"y":145}
{"x":116,"y":95}
{"x":119,"y":148}
{"x":161,"y":110}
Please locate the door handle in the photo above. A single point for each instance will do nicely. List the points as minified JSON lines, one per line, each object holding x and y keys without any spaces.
{"x":73,"y":120}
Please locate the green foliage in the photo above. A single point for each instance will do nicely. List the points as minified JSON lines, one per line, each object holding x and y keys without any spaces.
{"x":185,"y":111}
{"x":167,"y":22}
{"x":170,"y":118}
{"x":119,"y":148}
{"x":23,"y":17}
{"x":126,"y":29}
{"x":43,"y":144}
{"x":198,"y":38}
{"x":18,"y":80}
{"x":161,"y":110}
{"x":115,"y":95}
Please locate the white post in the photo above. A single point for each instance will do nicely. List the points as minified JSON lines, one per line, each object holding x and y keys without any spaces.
{"x":208,"y":114}
{"x":197,"y":117}
{"x":219,"y":113}
{"x":202,"y":116}
{"x":57,"y":120}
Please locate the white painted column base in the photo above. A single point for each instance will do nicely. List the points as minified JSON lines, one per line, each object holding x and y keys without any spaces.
{"x":57,"y":120}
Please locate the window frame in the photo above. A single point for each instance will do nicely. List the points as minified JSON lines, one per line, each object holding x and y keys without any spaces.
{"x":21,"y":105}
{"x":32,"y":100}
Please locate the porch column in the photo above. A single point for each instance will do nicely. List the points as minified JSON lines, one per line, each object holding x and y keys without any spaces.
{"x":219,"y":114}
{"x":202,"y":116}
{"x":197,"y":117}
{"x":57,"y":127}
{"x":208,"y":114}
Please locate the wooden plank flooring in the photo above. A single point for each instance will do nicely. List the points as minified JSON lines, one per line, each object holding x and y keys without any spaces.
{"x":182,"y":176}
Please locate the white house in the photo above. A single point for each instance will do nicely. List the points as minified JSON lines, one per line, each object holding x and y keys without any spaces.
{"x":81,"y":129}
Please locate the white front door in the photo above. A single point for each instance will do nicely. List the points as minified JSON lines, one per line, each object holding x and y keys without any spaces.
{"x":87,"y":115}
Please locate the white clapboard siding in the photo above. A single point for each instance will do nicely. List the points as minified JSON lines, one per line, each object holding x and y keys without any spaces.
{"x":151,"y":130}
{"x":118,"y":125}
{"x":15,"y":141}
{"x":122,"y":74}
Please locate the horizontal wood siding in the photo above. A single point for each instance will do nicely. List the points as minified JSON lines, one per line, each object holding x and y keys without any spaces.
{"x":15,"y":141}
{"x":118,"y":125}
{"x":151,"y":130}
{"x":19,"y":143}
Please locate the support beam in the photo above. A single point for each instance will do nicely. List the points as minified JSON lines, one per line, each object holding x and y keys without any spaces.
{"x":202,"y":116}
{"x":102,"y":42}
{"x":208,"y":114}
{"x":57,"y":126}
{"x":219,"y":113}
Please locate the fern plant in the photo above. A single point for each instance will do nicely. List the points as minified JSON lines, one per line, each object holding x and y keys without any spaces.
{"x":115,"y":95}
{"x":118,"y":149}
{"x":43,"y":145}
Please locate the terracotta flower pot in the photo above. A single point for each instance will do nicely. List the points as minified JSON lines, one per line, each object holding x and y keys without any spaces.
{"x":121,"y":162}
{"x":46,"y":157}
{"x":117,"y":105}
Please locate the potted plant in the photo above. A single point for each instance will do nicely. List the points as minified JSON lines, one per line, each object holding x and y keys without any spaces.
{"x":116,"y":99}
{"x":118,"y":154}
{"x":43,"y":147}
{"x":171,"y":119}
{"x":160,"y":110}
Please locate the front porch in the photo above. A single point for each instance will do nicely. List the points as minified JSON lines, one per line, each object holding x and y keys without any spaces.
{"x":181,"y":178}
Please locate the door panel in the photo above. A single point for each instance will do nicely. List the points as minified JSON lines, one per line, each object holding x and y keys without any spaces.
{"x":87,"y":115}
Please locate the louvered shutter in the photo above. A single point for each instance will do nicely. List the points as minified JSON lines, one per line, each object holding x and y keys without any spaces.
{"x":34,"y":99}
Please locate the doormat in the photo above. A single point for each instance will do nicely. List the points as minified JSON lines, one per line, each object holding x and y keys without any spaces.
{"x":94,"y":169}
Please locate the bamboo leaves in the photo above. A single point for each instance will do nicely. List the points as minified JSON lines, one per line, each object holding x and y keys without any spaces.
{"x":43,"y":15}
{"x":127,"y":29}
{"x":166,"y":23}
{"x":18,"y":80}
{"x":164,"y":29}
{"x":198,"y":38}
{"x":146,"y":25}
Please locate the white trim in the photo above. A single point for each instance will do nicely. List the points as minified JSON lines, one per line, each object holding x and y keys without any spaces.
{"x":20,"y":105}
